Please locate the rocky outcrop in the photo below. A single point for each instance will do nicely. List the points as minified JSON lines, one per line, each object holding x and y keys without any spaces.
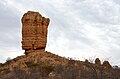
{"x":106,"y":64}
{"x":40,"y":64}
{"x":97,"y":61}
{"x":45,"y":65}
{"x":34,"y":31}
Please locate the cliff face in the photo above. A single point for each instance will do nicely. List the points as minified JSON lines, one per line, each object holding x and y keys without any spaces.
{"x":40,"y":64}
{"x":34,"y":31}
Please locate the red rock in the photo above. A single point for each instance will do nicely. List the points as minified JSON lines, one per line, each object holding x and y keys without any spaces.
{"x":106,"y":64}
{"x":34,"y":31}
{"x":97,"y":61}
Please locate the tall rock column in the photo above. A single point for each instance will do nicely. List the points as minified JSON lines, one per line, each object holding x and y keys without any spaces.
{"x":34,"y":31}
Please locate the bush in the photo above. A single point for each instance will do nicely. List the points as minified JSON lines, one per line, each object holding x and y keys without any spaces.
{"x":31,"y":64}
{"x":48,"y":68}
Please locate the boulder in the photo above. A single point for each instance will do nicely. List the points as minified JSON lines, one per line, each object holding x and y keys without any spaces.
{"x":97,"y":61}
{"x":106,"y":64}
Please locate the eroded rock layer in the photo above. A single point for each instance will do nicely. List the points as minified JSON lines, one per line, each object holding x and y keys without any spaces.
{"x":34,"y":31}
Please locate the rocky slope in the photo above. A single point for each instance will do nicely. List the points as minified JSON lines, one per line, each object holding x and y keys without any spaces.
{"x":40,"y":64}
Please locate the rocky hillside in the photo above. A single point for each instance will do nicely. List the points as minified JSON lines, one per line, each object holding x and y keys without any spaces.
{"x":40,"y":64}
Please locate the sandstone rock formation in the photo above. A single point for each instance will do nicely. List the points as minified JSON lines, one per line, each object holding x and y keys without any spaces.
{"x":34,"y":31}
{"x":106,"y":64}
{"x":97,"y":61}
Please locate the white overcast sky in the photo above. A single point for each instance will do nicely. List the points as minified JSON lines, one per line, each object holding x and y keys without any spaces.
{"x":78,"y":28}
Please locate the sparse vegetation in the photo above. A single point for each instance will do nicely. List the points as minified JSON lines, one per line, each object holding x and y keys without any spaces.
{"x":48,"y":68}
{"x":51,"y":66}
{"x":31,"y":64}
